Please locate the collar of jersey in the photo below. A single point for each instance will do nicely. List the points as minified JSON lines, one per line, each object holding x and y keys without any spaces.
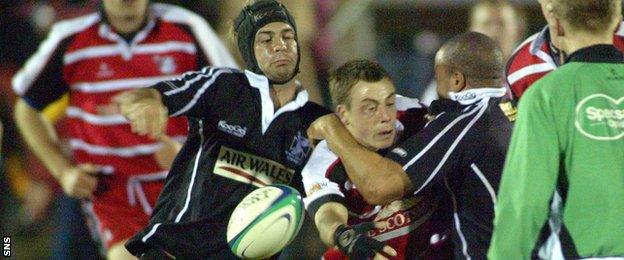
{"x":106,"y":31}
{"x":601,"y":53}
{"x":261,"y":82}
{"x":543,"y":39}
{"x":474,"y":95}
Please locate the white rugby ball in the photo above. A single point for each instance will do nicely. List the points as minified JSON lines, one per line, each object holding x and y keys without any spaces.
{"x":265,"y":221}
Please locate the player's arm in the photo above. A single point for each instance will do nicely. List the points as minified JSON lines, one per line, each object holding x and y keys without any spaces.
{"x":39,"y":83}
{"x":328,"y":218}
{"x":378,"y":179}
{"x":419,"y":162}
{"x":76,"y":181}
{"x":528,"y":181}
{"x":191,"y":95}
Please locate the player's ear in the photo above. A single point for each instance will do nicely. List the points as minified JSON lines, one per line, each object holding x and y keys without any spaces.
{"x":559,"y":28}
{"x":458,"y":81}
{"x":343,"y":114}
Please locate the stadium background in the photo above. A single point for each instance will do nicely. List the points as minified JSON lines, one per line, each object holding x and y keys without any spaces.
{"x":403,"y":35}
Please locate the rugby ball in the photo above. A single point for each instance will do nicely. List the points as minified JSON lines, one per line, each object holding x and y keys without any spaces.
{"x":265,"y":221}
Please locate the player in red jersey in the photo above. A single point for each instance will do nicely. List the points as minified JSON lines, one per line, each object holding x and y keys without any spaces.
{"x":538,"y":55}
{"x":367,"y":105}
{"x":126,"y":45}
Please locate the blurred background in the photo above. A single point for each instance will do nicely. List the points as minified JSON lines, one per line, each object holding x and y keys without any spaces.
{"x":403,"y":35}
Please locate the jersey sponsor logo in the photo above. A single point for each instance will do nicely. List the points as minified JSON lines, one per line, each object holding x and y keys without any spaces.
{"x":234,"y":130}
{"x":248,"y":168}
{"x":400,"y":151}
{"x":600,"y":117}
{"x":299,"y":149}
{"x":401,"y":217}
{"x":315,"y":187}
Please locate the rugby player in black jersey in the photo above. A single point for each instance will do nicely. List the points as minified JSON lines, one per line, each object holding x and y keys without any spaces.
{"x":247,"y":130}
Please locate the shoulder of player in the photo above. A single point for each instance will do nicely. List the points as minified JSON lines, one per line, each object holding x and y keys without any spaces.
{"x":322,"y":160}
{"x":217,"y":74}
{"x":556,"y":82}
{"x":619,"y":34}
{"x":311,"y":111}
{"x":176,"y":14}
{"x":69,"y":27}
{"x":522,"y":56}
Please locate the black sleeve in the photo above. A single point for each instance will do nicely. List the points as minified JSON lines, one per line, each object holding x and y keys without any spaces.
{"x":312,"y":111}
{"x":317,"y":203}
{"x":413,"y":121}
{"x":46,"y":87}
{"x":437,"y":150}
{"x":194,"y":94}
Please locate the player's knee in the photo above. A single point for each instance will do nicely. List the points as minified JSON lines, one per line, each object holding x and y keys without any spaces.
{"x":119,"y":252}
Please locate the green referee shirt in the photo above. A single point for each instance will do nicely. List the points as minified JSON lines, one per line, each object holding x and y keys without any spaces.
{"x":564,"y":171}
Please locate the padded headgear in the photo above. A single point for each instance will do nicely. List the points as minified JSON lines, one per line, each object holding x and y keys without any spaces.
{"x":250,"y":20}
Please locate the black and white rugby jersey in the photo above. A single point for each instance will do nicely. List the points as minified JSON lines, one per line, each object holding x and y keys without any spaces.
{"x":237,"y":142}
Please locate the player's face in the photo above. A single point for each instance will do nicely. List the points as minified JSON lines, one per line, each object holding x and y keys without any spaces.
{"x":371,"y":117}
{"x":126,"y":9}
{"x":500,"y":24}
{"x":276,"y":51}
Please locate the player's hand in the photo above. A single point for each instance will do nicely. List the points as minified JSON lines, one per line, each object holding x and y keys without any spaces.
{"x":355,"y":243}
{"x":145,"y":111}
{"x":79,"y":181}
{"x":320,"y":127}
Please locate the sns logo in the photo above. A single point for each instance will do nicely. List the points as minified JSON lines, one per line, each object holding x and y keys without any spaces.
{"x":600,"y":117}
{"x":6,"y":248}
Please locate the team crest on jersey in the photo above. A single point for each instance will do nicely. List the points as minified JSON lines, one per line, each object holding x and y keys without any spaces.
{"x":299,"y":149}
{"x":166,"y":64}
{"x":104,"y":71}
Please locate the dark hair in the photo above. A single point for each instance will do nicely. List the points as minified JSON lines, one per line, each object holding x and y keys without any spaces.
{"x":342,"y":80}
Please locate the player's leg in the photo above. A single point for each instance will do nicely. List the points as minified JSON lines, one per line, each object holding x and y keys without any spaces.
{"x":118,"y":252}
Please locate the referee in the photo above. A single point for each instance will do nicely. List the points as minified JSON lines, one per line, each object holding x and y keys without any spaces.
{"x":565,"y":169}
{"x":462,"y":148}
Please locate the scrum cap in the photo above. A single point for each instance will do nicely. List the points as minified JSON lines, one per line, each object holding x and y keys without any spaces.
{"x":251,"y":19}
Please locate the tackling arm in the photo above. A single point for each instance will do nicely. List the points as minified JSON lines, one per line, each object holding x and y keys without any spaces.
{"x":379,"y":180}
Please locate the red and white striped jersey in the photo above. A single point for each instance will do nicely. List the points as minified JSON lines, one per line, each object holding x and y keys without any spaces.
{"x":85,"y":58}
{"x":407,"y":229}
{"x":535,"y":58}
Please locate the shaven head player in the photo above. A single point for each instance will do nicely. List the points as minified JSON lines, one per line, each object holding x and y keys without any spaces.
{"x":368,"y":107}
{"x":236,"y":117}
